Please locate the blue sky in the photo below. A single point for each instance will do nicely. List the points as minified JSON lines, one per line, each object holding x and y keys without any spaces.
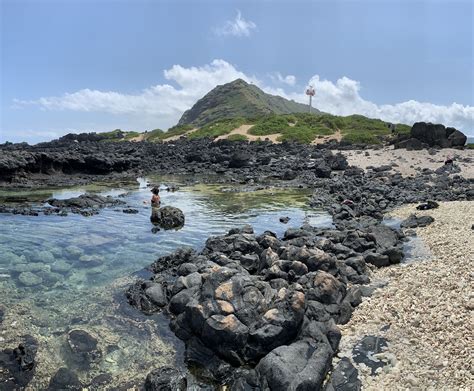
{"x":137,"y":65}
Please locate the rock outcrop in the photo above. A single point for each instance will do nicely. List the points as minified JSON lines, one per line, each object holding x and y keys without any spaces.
{"x":425,"y":135}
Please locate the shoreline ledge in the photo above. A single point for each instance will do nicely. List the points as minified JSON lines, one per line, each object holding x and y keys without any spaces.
{"x":424,"y":310}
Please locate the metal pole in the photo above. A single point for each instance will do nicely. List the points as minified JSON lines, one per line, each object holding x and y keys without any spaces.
{"x":310,"y":97}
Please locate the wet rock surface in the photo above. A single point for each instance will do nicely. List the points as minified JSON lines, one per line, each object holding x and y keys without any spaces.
{"x":168,"y":217}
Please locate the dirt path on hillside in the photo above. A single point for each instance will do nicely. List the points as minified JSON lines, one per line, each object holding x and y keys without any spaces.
{"x":139,"y":138}
{"x":174,"y":138}
{"x":244,"y":130}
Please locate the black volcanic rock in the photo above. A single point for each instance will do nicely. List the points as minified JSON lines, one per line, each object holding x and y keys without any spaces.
{"x":438,"y":135}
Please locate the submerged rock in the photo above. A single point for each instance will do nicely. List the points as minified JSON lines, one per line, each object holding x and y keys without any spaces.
{"x":65,"y":379}
{"x":29,"y":279}
{"x":168,"y":217}
{"x":83,"y":347}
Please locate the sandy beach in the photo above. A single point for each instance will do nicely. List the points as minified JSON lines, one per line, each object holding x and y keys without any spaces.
{"x":425,"y":311}
{"x":412,"y":162}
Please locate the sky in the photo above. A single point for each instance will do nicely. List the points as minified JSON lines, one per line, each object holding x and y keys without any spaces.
{"x":82,"y":65}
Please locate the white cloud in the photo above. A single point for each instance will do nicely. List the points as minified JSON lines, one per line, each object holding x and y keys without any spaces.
{"x":162,"y":105}
{"x":343,"y":98}
{"x":288,"y":79}
{"x":239,"y":27}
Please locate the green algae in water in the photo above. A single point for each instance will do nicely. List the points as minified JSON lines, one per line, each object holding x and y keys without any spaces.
{"x":85,"y":265}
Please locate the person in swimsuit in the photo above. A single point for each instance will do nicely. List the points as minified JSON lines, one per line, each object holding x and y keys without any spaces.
{"x":155,"y":198}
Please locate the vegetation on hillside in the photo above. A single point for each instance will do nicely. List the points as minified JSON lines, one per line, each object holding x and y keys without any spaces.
{"x":297,"y":127}
{"x":218,"y":128}
{"x":305,"y":127}
{"x":117,"y":135}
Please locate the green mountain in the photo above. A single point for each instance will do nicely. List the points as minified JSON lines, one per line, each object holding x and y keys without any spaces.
{"x":238,"y":99}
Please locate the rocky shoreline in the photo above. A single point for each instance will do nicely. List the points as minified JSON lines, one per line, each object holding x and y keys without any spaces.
{"x":258,"y":311}
{"x":261,"y":312}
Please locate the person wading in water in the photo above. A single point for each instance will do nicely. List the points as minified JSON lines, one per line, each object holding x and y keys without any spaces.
{"x":155,"y":198}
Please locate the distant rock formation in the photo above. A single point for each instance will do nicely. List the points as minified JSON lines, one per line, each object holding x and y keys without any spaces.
{"x":424,"y":135}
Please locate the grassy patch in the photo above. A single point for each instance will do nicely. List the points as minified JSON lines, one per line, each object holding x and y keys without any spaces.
{"x":154,"y":135}
{"x":238,"y":137}
{"x":117,"y":135}
{"x":303,"y":134}
{"x":218,"y":128}
{"x":271,"y":125}
{"x":301,"y":127}
{"x":470,"y":146}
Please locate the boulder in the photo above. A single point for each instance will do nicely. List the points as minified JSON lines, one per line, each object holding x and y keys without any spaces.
{"x":168,"y":217}
{"x":322,"y":170}
{"x":239,"y":160}
{"x":300,"y":366}
{"x":414,"y":221}
{"x":437,"y":135}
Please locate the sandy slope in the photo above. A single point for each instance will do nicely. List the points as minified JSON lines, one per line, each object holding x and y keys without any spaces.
{"x":244,"y":130}
{"x":336,"y":136}
{"x":173,"y":138}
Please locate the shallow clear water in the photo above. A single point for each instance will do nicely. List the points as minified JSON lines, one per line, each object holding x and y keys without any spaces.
{"x":61,"y":273}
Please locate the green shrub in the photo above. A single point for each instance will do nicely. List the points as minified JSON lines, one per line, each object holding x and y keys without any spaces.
{"x":238,"y":137}
{"x":361,"y":138}
{"x":154,"y":135}
{"x":303,"y":134}
{"x":470,"y":146}
{"x":271,"y":125}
